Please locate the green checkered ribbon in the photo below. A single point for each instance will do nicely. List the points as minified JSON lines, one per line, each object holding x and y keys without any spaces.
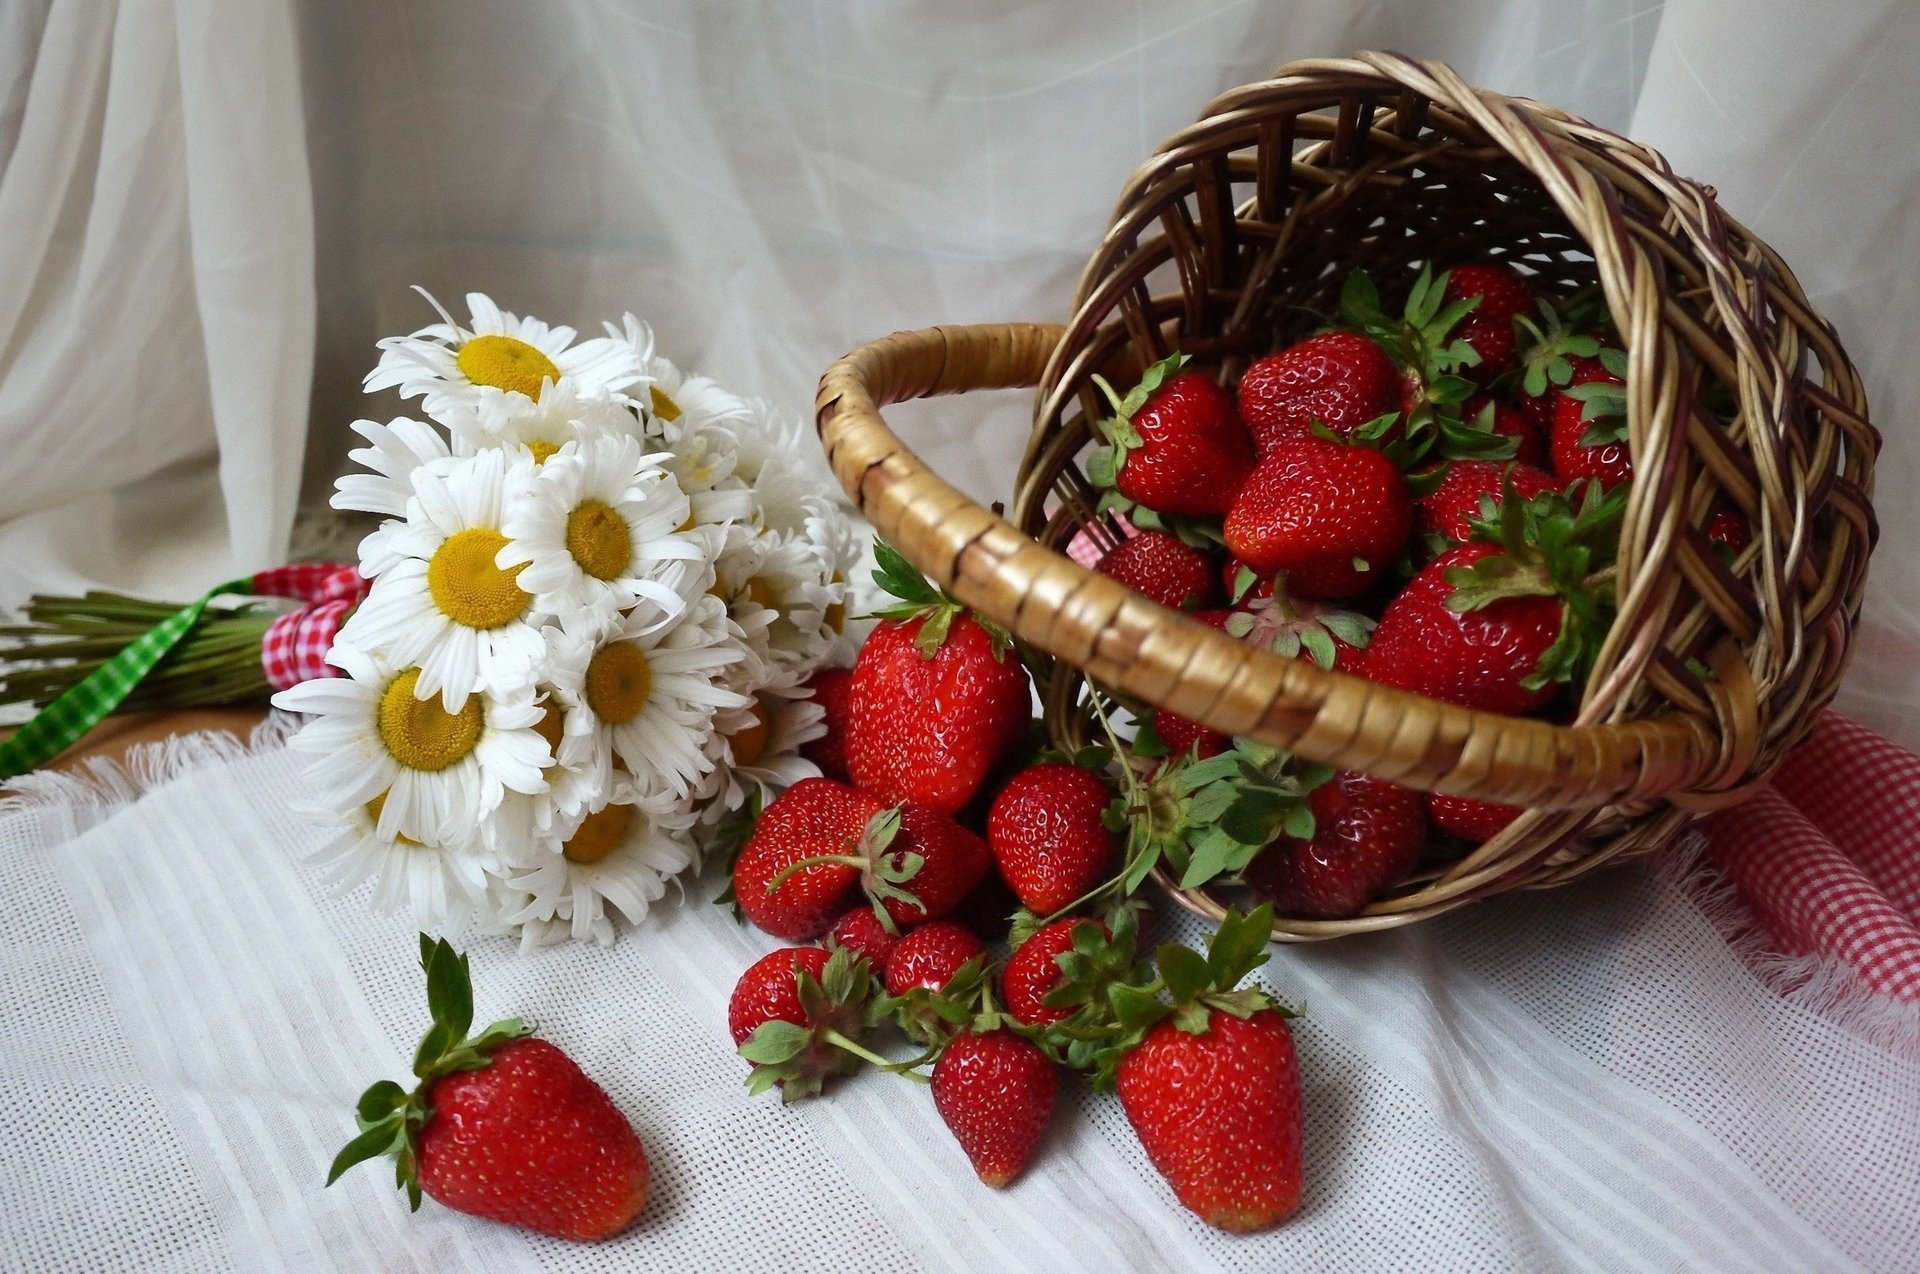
{"x":91,"y":700}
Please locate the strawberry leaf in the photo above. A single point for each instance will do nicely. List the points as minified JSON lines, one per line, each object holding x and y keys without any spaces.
{"x":774,"y":1042}
{"x":1239,"y":946}
{"x":901,"y":578}
{"x":1183,"y":970}
{"x":384,"y":1138}
{"x":379,"y":1102}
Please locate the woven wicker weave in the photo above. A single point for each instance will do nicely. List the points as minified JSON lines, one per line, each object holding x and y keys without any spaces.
{"x":1222,"y":246}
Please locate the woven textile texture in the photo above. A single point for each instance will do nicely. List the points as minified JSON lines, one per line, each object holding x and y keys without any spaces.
{"x":1586,"y":1078}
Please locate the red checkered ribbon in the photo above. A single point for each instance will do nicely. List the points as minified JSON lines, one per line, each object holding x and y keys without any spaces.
{"x":295,"y":647}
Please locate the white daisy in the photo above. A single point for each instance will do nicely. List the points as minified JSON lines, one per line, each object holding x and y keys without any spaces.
{"x":673,"y":400}
{"x":769,"y":435}
{"x":572,"y":779}
{"x":505,"y":418}
{"x":650,"y":691}
{"x":395,"y":450}
{"x":438,"y":886}
{"x":618,"y":860}
{"x":450,"y":363}
{"x":702,"y":459}
{"x":438,"y":773}
{"x":757,"y":748}
{"x":440,"y":598}
{"x":597,"y":529}
{"x":780,"y":590}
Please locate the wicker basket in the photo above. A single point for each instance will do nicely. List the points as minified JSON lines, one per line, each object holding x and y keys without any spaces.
{"x":1220,"y":245}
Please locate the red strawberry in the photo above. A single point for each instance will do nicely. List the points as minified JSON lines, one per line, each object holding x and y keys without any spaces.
{"x":1467,"y":818}
{"x":861,"y":932}
{"x":996,"y":1091}
{"x":1488,"y":328}
{"x":1476,"y":658}
{"x":501,"y":1126}
{"x":1484,"y":415}
{"x":794,"y":1013}
{"x":1213,"y":1088}
{"x":1548,"y":349}
{"x":1337,"y":379}
{"x":1047,"y":834}
{"x":1314,"y":509}
{"x":817,"y":822}
{"x":1239,"y":589}
{"x":1175,"y":444}
{"x":1589,"y":435}
{"x":952,"y":861}
{"x":1368,"y":833}
{"x":930,"y":956}
{"x":1164,"y":568}
{"x":830,"y":687}
{"x":1181,"y":735}
{"x":1448,"y":508}
{"x":1033,"y":970}
{"x":1729,"y":530}
{"x":937,"y":700}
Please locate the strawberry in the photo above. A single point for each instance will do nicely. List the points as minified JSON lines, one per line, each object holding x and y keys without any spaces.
{"x":1180,"y":736}
{"x":1174,"y":444}
{"x":1494,"y":626}
{"x":1729,"y":530}
{"x":931,"y":957}
{"x":995,"y":1091}
{"x":1496,"y":422}
{"x":501,"y":1125}
{"x":1548,"y":349}
{"x":1484,"y":658}
{"x":1331,"y":637}
{"x":952,"y":861}
{"x":1033,"y":971}
{"x":1502,"y":296}
{"x":1337,"y":379}
{"x":800,"y":869}
{"x":937,"y":698}
{"x":1211,"y":1084}
{"x":797,"y":1014}
{"x":1367,"y":834}
{"x":830,"y":687}
{"x":1165,"y":569}
{"x":1048,"y":832}
{"x":1589,"y":431}
{"x":1467,"y":818}
{"x":862,"y":932}
{"x":1426,"y":350}
{"x":1470,"y":489}
{"x":1242,"y":584}
{"x":1327,"y":513}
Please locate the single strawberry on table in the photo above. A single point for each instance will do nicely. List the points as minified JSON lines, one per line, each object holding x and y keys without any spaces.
{"x":798,"y":1015}
{"x":1337,"y":379}
{"x":995,"y":1091}
{"x":937,"y":698}
{"x":1048,"y":833}
{"x":1164,"y":568}
{"x":1174,"y":444}
{"x":501,"y":1125}
{"x":1033,"y":971}
{"x":1367,"y":834}
{"x":1331,"y":515}
{"x":1211,"y":1083}
{"x":934,"y":980}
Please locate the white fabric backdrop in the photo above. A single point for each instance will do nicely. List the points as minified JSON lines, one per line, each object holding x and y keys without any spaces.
{"x":156,"y":292}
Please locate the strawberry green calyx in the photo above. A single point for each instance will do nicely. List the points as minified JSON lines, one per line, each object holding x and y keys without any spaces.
{"x":840,"y":1010}
{"x":883,"y":874}
{"x":1422,"y":345}
{"x":1603,"y":403}
{"x":1289,"y":628}
{"x":1099,"y":961}
{"x":1551,"y":547}
{"x":1548,"y":348}
{"x":1239,"y":802}
{"x":933,"y":1018}
{"x":919,"y":599}
{"x":1195,"y":988}
{"x":390,"y":1118}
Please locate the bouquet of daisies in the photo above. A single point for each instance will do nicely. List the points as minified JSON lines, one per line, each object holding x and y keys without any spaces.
{"x":598,"y":594}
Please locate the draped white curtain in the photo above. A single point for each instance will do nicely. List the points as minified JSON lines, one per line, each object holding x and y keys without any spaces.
{"x":770,"y":183}
{"x":156,"y":293}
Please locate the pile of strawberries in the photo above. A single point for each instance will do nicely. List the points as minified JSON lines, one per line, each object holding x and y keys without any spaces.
{"x":936,"y":819}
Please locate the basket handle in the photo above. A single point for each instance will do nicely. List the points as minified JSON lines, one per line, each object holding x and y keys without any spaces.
{"x":1122,"y":640}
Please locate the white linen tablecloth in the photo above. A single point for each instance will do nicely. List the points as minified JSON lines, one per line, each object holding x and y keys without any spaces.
{"x":1584,"y":1079}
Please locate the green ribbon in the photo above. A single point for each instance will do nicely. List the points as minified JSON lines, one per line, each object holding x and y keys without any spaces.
{"x":87,"y":702}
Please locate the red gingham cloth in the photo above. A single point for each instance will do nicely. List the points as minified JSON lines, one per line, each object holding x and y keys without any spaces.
{"x":295,"y":647}
{"x":1827,"y":857}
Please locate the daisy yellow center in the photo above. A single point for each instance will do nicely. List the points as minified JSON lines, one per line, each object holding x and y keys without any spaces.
{"x":420,"y":733}
{"x":599,"y":835}
{"x":542,"y":450}
{"x":663,"y":405}
{"x":619,"y":682}
{"x":505,"y":362}
{"x":550,"y":727}
{"x":374,"y":807}
{"x":749,"y":742}
{"x":468,"y":587}
{"x":599,"y":540}
{"x":759,"y":592}
{"x":836,"y":616}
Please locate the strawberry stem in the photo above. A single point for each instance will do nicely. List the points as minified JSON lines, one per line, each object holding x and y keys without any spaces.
{"x":866,"y":1054}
